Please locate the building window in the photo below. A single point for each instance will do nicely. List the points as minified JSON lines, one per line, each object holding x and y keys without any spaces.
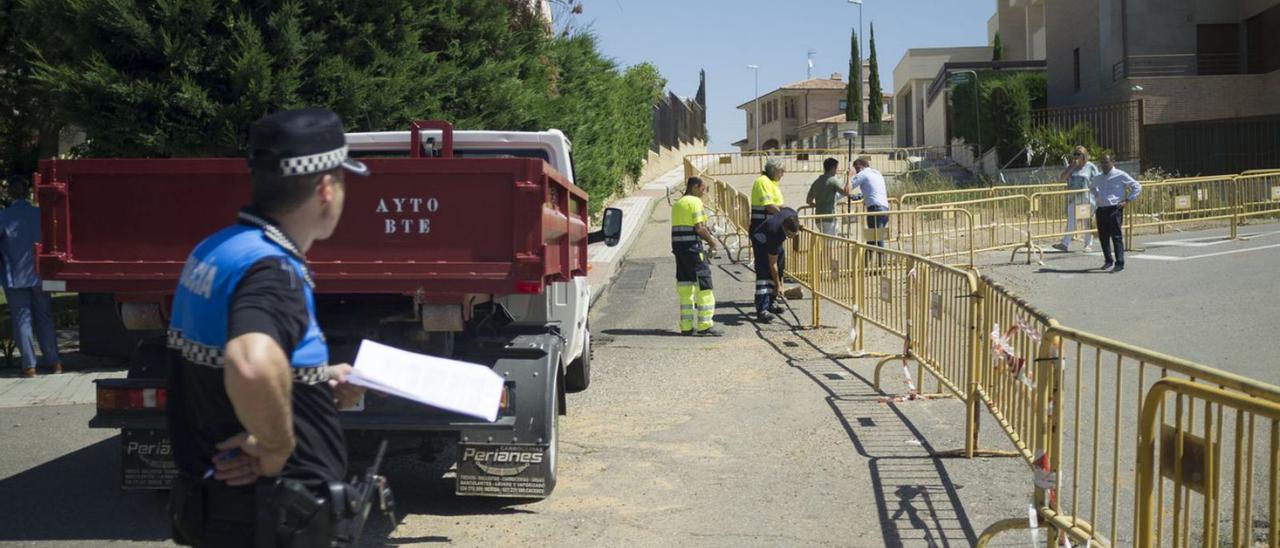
{"x":751,"y":122}
{"x":844,"y":104}
{"x":1075,"y":68}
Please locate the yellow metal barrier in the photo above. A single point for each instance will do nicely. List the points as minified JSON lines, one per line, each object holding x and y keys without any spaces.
{"x":942,"y":234}
{"x":1005,"y":374}
{"x":1178,"y":201}
{"x":1088,"y":401}
{"x":938,"y":197}
{"x":887,"y":161}
{"x":999,"y":223}
{"x":1189,"y":456}
{"x":1051,"y":212}
{"x":1257,"y":195}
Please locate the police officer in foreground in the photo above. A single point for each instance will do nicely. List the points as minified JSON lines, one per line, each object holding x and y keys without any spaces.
{"x":253,"y":402}
{"x":693,"y":270}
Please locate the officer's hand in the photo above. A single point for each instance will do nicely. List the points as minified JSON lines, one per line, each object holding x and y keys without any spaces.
{"x":236,"y":470}
{"x":263,"y":461}
{"x":345,"y":394}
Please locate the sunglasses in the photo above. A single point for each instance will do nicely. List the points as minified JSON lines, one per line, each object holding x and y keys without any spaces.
{"x":1076,"y":154}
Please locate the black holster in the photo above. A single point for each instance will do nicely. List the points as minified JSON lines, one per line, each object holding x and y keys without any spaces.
{"x":295,"y":514}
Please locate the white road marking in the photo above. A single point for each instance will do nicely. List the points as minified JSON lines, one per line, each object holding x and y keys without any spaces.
{"x":1206,"y":241}
{"x":1152,"y":257}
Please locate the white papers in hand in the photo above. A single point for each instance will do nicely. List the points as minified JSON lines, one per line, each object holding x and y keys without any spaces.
{"x":452,"y":385}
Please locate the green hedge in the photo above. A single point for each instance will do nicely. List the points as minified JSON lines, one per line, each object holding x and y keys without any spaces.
{"x":1007,"y":99}
{"x":174,"y":78}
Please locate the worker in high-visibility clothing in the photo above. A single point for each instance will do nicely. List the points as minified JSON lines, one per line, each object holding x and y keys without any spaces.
{"x":766,"y":201}
{"x":693,"y":270}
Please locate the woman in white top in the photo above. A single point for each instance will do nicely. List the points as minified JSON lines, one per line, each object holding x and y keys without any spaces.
{"x":1078,"y":175}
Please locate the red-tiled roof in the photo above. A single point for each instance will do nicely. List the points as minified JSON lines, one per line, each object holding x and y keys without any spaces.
{"x":816,"y":83}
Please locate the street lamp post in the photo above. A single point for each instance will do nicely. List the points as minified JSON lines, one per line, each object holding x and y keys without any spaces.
{"x":756,"y":69}
{"x":861,"y":115}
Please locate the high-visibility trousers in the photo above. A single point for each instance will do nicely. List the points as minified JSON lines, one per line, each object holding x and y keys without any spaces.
{"x":693,"y":287}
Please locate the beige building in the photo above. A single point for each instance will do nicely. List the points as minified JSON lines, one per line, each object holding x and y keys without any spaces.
{"x":923,"y":112}
{"x":920,"y":121}
{"x":1181,"y":57}
{"x":805,"y":114}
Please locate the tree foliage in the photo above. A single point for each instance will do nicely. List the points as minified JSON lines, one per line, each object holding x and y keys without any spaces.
{"x":1006,"y":102}
{"x":853,"y":94}
{"x":168,"y":78}
{"x":997,"y":49}
{"x":875,"y":96}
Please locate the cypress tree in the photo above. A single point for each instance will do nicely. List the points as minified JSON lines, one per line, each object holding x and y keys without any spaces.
{"x":853,"y":95}
{"x":997,"y":49}
{"x":875,"y":97}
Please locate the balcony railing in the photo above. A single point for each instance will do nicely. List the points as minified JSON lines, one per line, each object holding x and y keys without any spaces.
{"x":1185,"y":64}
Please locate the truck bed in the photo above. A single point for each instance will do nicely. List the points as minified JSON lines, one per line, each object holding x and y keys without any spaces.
{"x":433,"y":226}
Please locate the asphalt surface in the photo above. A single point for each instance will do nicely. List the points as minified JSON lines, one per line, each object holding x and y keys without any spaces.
{"x":1196,"y":295}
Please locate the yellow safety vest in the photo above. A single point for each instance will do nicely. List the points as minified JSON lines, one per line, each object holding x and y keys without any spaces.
{"x":686,"y":213}
{"x":764,"y":192}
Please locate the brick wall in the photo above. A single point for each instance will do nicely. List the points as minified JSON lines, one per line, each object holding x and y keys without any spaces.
{"x":1172,"y":99}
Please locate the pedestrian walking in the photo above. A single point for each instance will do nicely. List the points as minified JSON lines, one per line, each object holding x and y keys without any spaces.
{"x":30,"y":307}
{"x":766,"y":200}
{"x":769,"y":239}
{"x":1112,"y":190}
{"x":253,"y":402}
{"x":1079,"y":173}
{"x":693,"y":271}
{"x":875,"y":197}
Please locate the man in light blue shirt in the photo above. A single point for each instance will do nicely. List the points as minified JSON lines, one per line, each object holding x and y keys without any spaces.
{"x":1112,"y":190}
{"x":28,"y":303}
{"x":875,"y":197}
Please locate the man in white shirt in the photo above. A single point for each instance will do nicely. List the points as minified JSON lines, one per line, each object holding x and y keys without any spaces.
{"x":1112,"y":190}
{"x":870,"y":184}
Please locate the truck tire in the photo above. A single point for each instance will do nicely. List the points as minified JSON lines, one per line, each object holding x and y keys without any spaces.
{"x":577,"y":377}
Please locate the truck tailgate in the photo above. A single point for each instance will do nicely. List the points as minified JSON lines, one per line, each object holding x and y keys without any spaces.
{"x":433,"y":225}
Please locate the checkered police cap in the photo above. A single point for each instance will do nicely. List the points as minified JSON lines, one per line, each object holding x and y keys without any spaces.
{"x":300,"y":142}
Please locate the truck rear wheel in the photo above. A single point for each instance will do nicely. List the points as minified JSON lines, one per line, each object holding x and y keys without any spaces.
{"x":577,"y":377}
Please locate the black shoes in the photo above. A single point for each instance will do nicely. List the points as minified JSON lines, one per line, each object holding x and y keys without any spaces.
{"x":1118,"y":268}
{"x":710,"y":332}
{"x":1107,"y":265}
{"x":764,"y":317}
{"x":777,"y":309}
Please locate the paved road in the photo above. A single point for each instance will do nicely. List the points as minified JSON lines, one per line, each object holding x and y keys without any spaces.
{"x":1196,"y":295}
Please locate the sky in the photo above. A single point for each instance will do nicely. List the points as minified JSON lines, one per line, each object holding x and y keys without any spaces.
{"x":724,"y":36}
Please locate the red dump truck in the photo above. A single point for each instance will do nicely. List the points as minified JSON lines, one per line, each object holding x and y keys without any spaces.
{"x":470,"y":245}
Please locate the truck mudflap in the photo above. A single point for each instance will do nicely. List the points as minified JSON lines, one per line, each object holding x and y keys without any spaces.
{"x":493,"y":470}
{"x":519,"y":462}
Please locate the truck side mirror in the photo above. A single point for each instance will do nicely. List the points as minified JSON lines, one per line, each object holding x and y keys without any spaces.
{"x":610,"y":228}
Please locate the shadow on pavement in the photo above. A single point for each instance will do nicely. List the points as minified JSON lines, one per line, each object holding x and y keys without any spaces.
{"x":77,"y":497}
{"x":1044,"y":270}
{"x":916,"y":499}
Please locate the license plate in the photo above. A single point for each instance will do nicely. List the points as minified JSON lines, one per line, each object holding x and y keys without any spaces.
{"x":146,"y":459}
